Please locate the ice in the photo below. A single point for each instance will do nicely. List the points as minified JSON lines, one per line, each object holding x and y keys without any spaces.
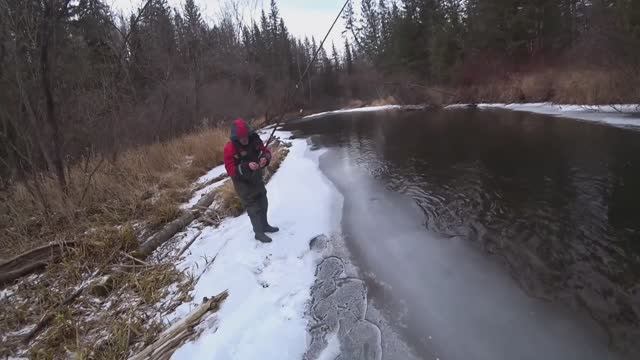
{"x":620,"y":115}
{"x":442,"y":289}
{"x":332,"y":350}
{"x":269,"y":284}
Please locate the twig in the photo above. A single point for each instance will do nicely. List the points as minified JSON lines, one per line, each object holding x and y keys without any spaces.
{"x":189,"y":243}
{"x":46,"y":319}
{"x":86,"y":187}
{"x":117,"y":267}
{"x":208,"y":220}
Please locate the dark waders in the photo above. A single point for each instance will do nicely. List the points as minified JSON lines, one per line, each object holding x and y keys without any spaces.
{"x":254,"y":199}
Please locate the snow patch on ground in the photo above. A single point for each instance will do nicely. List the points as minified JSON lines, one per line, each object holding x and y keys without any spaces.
{"x":200,"y":193}
{"x":621,"y":115}
{"x":269,"y":284}
{"x":362,"y":109}
{"x":212,"y":174}
{"x":5,"y":293}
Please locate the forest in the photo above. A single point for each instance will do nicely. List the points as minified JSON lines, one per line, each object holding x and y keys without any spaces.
{"x":79,"y":79}
{"x":109,"y":120}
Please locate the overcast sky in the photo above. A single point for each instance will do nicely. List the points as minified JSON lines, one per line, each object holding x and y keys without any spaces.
{"x":302,"y":17}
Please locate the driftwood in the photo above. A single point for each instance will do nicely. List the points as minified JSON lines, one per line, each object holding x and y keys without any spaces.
{"x":179,"y":332}
{"x":174,"y":227}
{"x":32,"y":261}
{"x":38,"y":258}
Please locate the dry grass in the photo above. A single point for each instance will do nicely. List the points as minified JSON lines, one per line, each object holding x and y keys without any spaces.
{"x":112,"y":319}
{"x":140,"y":190}
{"x":229,"y":200}
{"x":573,"y":86}
{"x":279,"y":153}
{"x":97,"y":326}
{"x":355,"y":103}
{"x":389,"y":100}
{"x":141,"y":184}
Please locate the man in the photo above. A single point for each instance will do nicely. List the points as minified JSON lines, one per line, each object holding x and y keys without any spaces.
{"x":244,"y":158}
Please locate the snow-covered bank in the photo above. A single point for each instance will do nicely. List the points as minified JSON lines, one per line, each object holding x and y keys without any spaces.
{"x":362,"y":109}
{"x":622,"y":115}
{"x":269,"y":285}
{"x":209,"y":176}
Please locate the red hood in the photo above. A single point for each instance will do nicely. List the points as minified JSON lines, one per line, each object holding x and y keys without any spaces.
{"x":240,"y":129}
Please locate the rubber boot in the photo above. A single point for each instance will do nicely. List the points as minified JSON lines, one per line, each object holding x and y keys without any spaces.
{"x":264,"y":205}
{"x":262,"y":237}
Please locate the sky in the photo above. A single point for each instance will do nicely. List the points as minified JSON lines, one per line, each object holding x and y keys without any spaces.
{"x":302,"y":17}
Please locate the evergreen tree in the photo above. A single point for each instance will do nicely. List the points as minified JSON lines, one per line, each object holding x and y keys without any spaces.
{"x":369,"y":30}
{"x":335,"y":57}
{"x":348,"y":58}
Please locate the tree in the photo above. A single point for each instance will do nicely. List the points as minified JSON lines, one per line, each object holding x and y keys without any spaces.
{"x":335,"y":57}
{"x":369,"y":30}
{"x":348,"y":58}
{"x":193,"y":33}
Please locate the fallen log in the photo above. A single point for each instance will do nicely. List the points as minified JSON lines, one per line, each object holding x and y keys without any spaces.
{"x":170,"y":339}
{"x":174,"y":227}
{"x":212,"y":181}
{"x":32,"y":261}
{"x":37,"y":259}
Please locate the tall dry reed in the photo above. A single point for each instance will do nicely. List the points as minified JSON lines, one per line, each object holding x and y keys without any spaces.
{"x":144,"y":184}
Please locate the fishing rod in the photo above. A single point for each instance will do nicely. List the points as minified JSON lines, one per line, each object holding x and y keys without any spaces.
{"x":291,"y":94}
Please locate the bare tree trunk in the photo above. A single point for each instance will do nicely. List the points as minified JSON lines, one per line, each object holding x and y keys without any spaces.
{"x":45,"y":67}
{"x":196,"y":91}
{"x":165,"y":100}
{"x":31,"y":116}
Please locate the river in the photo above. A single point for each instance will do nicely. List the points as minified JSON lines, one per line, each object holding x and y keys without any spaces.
{"x":490,"y":234}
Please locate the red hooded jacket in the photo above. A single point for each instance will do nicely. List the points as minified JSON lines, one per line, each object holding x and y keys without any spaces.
{"x":237,"y":156}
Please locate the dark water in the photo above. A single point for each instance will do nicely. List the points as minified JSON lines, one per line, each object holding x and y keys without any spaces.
{"x":551,"y":205}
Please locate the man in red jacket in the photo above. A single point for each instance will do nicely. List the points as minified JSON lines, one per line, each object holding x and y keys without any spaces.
{"x":245,"y":157}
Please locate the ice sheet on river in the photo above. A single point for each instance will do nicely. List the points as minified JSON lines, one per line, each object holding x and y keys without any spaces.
{"x":620,"y":115}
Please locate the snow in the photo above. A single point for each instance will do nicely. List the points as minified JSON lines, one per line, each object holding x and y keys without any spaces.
{"x":332,"y":350}
{"x":200,"y":193}
{"x":212,"y":174}
{"x":362,"y":109}
{"x":5,"y":293}
{"x":269,"y":284}
{"x":621,"y":115}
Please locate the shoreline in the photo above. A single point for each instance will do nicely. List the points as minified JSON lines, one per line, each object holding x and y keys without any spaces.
{"x":618,"y":115}
{"x":269,"y":285}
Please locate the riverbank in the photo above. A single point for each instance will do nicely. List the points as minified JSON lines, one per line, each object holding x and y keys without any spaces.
{"x":93,"y":292}
{"x":619,"y":115}
{"x":269,"y":285}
